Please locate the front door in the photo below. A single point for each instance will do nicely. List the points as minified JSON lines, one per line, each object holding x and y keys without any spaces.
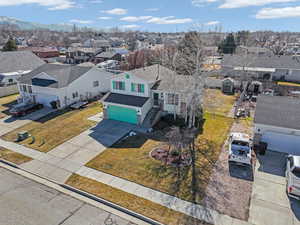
{"x":156,"y":99}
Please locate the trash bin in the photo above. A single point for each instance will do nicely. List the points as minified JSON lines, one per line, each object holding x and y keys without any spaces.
{"x":263,"y":146}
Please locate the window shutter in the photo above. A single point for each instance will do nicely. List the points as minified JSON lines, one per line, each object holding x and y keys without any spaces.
{"x":123,"y":86}
{"x":114,"y":85}
{"x":132,"y":87}
{"x":142,"y":88}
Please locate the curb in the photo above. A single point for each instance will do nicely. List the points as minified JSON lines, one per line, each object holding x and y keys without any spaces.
{"x":9,"y":163}
{"x":111,"y":204}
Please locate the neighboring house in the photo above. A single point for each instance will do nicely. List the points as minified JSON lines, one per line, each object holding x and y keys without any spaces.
{"x":109,"y":55}
{"x":43,"y":52}
{"x":15,"y":64}
{"x":81,"y":55}
{"x":140,"y":95}
{"x":277,"y":120}
{"x":263,"y":67}
{"x":109,"y":64}
{"x":63,"y":85}
{"x":244,"y":50}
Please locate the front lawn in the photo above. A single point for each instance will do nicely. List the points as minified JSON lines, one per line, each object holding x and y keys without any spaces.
{"x":6,"y":103}
{"x":218,"y":103}
{"x":131,"y":202}
{"x":130,"y":160}
{"x":56,"y":128}
{"x":13,"y":156}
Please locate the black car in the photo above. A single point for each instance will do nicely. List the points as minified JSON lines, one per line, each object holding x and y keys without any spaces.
{"x":23,"y":109}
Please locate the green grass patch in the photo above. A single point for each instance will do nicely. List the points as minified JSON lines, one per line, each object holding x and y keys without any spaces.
{"x":56,"y":128}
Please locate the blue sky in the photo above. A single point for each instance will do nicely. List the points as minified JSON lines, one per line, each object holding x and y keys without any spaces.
{"x":160,"y":15}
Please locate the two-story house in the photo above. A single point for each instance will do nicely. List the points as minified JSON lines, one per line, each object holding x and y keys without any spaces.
{"x":57,"y":86}
{"x":136,"y":93}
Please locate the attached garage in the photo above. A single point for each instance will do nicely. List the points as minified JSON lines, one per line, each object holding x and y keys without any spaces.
{"x":122,"y":114}
{"x":289,"y":144}
{"x":45,"y":99}
{"x":126,"y":108}
{"x":277,"y":120}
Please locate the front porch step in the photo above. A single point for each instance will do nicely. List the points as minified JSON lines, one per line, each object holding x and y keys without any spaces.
{"x":151,"y":118}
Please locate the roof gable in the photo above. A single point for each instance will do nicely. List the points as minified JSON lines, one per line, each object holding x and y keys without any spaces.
{"x":44,"y":76}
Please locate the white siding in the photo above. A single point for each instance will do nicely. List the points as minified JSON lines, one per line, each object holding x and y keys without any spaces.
{"x":128,"y":82}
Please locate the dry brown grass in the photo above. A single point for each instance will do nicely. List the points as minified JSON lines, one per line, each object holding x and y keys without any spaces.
{"x":5,"y":103}
{"x":56,"y":128}
{"x":130,"y":160}
{"x":13,"y":157}
{"x":218,"y":103}
{"x":131,"y":202}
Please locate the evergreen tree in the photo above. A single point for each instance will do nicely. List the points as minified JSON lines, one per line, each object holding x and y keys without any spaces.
{"x":228,"y":45}
{"x":10,"y":46}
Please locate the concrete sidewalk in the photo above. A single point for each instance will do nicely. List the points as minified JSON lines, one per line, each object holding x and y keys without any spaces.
{"x":194,"y":210}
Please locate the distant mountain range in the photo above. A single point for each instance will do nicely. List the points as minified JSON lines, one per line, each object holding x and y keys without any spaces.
{"x":24,"y":25}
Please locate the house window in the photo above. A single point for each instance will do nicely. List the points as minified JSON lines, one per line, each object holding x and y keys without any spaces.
{"x":30,"y":89}
{"x":96,"y":83}
{"x":140,"y":88}
{"x":75,"y":95}
{"x":119,"y":85}
{"x":24,"y":88}
{"x":173,"y":99}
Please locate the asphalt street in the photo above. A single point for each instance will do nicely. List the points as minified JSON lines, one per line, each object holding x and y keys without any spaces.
{"x":26,"y":202}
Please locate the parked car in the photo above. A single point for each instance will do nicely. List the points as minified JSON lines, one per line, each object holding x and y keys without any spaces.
{"x":240,"y":149}
{"x":24,"y":108}
{"x":292,"y":174}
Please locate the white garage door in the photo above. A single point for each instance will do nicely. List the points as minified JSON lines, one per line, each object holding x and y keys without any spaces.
{"x":282,"y":142}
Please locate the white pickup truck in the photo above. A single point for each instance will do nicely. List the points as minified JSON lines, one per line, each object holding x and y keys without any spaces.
{"x":240,"y":150}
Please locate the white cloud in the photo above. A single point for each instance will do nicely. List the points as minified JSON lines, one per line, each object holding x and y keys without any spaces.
{"x":104,"y":18}
{"x":229,"y":4}
{"x":135,"y":18}
{"x":273,"y":13}
{"x":242,"y":3}
{"x":169,"y":20}
{"x":152,"y":10}
{"x":96,"y":1}
{"x":51,"y":4}
{"x":200,"y":3}
{"x":81,"y":21}
{"x":212,"y":23}
{"x":131,"y":26}
{"x":116,"y":11}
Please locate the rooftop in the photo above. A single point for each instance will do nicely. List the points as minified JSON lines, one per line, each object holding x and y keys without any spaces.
{"x":19,"y":61}
{"x":63,"y":75}
{"x":130,"y":100}
{"x":278,"y":111}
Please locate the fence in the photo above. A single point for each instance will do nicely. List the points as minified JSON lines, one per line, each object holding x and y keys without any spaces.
{"x":9,"y":90}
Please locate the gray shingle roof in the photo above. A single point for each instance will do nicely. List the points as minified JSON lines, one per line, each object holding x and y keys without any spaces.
{"x":178,"y":83}
{"x":278,"y":111}
{"x":277,"y":62}
{"x":19,"y":61}
{"x":64,"y":74}
{"x":130,"y":100}
{"x":151,"y":73}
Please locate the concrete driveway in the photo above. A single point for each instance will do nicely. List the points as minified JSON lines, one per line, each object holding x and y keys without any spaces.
{"x":69,"y":157}
{"x":10,"y":123}
{"x":108,"y":132}
{"x":269,"y":203}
